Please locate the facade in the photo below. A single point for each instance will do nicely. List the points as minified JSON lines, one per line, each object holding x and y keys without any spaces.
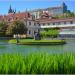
{"x":66,"y":26}
{"x":45,"y":21}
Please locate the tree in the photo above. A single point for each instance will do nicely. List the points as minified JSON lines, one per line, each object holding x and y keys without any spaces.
{"x":67,"y":14}
{"x":2,"y":28}
{"x":16,"y":27}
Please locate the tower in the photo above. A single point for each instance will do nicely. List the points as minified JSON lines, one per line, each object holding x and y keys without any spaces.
{"x":10,"y":10}
{"x":64,"y":6}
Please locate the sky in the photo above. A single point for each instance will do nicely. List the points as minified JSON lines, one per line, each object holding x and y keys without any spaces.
{"x":22,"y":5}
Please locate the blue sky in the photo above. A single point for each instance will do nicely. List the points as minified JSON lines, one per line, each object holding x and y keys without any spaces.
{"x":21,"y":5}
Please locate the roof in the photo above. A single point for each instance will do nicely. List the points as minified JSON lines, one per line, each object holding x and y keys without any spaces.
{"x":47,"y":20}
{"x":22,"y":15}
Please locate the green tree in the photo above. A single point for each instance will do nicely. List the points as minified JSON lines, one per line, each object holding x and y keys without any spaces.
{"x":16,"y":27}
{"x":3,"y":27}
{"x":49,"y":33}
{"x":67,"y":14}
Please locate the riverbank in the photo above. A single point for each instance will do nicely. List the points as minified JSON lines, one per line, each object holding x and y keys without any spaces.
{"x":37,"y":64}
{"x":38,"y":42}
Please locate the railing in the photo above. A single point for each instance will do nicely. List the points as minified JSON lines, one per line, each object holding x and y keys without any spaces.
{"x":59,"y":26}
{"x":52,"y":26}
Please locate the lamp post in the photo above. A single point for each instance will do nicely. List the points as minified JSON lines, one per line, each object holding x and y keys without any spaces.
{"x":17,"y":39}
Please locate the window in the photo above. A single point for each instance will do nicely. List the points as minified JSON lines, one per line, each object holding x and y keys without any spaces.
{"x":64,"y":22}
{"x":58,"y":23}
{"x":38,"y":24}
{"x":71,"y":22}
{"x":29,"y":23}
{"x":34,"y":32}
{"x":29,"y":32}
{"x":48,"y":23}
{"x":53,"y":23}
{"x":43,"y":24}
{"x":38,"y":30}
{"x":34,"y":24}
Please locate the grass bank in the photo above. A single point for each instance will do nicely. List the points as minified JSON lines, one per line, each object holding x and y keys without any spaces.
{"x":38,"y":42}
{"x":37,"y":64}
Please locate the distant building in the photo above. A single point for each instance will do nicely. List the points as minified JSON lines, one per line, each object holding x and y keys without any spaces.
{"x":51,"y":10}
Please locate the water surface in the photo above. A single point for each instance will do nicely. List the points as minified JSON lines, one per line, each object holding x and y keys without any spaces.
{"x":25,"y":49}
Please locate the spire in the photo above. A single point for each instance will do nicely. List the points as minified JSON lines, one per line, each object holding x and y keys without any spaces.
{"x":10,"y":10}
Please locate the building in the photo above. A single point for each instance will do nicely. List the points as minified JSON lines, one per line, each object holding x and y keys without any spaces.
{"x":51,"y":10}
{"x":66,"y":26}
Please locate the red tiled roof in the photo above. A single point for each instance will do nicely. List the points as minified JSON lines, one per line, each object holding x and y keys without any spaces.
{"x":55,"y":20}
{"x":22,"y":15}
{"x":17,"y":15}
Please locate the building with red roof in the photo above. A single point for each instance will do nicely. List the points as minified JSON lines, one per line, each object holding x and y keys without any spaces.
{"x":46,"y":20}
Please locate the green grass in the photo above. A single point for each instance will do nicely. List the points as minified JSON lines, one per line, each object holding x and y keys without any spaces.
{"x":4,"y":40}
{"x":37,"y":64}
{"x":37,"y":42}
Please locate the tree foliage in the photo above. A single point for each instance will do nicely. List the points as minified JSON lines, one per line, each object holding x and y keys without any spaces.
{"x":17,"y":27}
{"x":3,"y":27}
{"x":49,"y":33}
{"x":68,"y":14}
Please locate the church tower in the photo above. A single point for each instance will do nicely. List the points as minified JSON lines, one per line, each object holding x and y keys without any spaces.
{"x":10,"y":10}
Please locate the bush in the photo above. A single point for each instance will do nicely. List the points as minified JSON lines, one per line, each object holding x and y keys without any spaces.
{"x":53,"y":33}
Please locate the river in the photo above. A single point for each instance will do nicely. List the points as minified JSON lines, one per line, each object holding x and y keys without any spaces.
{"x":25,"y":49}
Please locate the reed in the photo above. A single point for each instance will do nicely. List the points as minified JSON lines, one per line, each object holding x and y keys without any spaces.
{"x":37,"y":64}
